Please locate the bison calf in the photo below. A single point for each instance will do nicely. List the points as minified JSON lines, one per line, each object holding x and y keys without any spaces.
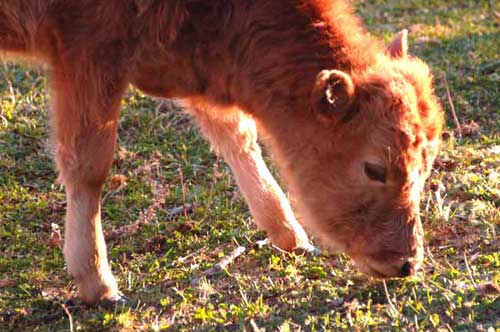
{"x":353,"y":126}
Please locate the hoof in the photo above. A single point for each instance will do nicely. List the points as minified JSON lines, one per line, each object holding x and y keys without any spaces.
{"x":116,"y":302}
{"x":309,"y":249}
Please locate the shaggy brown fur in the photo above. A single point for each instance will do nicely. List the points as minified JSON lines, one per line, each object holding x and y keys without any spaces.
{"x":353,"y":126}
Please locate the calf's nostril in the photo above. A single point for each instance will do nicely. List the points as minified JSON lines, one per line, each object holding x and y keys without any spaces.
{"x":406,"y":269}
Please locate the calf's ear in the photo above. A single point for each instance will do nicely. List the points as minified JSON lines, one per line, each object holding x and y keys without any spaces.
{"x":398,"y":47}
{"x":333,"y":92}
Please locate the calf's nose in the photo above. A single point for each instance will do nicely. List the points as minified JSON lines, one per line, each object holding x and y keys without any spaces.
{"x":407,"y":269}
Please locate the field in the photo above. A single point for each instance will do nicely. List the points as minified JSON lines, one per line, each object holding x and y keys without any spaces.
{"x":159,"y":250}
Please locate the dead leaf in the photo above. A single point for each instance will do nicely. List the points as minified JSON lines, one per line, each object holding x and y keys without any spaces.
{"x":117,"y":181}
{"x":55,"y":237}
{"x":351,"y":305}
{"x":445,"y":164}
{"x":185,"y":226}
{"x":4,"y":283}
{"x":122,"y":155}
{"x":156,"y":244}
{"x":435,"y":185}
{"x":489,"y":288}
{"x":471,"y":129}
{"x":446,"y":135}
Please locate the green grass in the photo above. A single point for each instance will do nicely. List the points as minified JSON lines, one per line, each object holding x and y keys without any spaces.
{"x":264,"y":289}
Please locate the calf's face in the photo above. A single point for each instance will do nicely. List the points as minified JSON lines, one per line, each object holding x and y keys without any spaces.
{"x":361,"y":193}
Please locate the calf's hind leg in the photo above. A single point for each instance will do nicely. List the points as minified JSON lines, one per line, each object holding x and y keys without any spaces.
{"x":233,"y":134}
{"x":85,"y":123}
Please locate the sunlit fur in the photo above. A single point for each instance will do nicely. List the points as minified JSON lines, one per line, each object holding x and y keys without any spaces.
{"x":260,"y":59}
{"x":397,"y":122}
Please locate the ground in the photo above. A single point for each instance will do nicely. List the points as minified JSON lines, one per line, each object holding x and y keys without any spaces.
{"x":162,"y":163}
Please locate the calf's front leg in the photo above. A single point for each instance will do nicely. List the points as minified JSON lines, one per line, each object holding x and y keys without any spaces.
{"x":233,"y":134}
{"x":85,"y":122}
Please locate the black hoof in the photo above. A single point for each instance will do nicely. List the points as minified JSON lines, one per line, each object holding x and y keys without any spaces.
{"x":117,"y":301}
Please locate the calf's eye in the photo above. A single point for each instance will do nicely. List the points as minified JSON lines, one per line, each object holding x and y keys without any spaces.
{"x":375,"y":172}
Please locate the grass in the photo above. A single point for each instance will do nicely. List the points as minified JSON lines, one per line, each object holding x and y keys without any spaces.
{"x":264,"y":289}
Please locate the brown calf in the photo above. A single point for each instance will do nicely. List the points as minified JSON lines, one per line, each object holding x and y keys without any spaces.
{"x":354,"y":127}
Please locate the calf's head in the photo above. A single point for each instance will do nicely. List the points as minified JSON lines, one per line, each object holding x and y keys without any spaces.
{"x":380,"y":133}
